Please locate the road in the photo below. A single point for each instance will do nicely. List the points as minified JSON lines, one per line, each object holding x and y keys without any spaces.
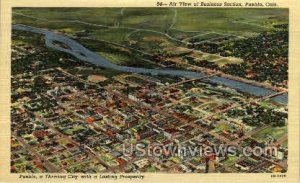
{"x":49,"y":166}
{"x":85,"y":54}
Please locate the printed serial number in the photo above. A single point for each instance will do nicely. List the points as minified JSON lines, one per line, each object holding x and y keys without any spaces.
{"x":278,"y":175}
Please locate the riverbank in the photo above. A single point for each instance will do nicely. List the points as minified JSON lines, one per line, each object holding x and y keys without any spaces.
{"x":76,"y":49}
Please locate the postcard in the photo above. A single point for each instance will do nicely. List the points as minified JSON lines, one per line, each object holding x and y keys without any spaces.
{"x":149,"y":91}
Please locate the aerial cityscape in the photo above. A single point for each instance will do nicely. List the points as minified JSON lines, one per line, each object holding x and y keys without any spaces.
{"x":149,"y":90}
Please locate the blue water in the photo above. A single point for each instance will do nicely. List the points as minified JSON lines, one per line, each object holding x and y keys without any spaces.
{"x":85,"y":54}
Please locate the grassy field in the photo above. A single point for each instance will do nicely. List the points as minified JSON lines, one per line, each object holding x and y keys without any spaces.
{"x":188,"y":22}
{"x":230,"y":160}
{"x":222,"y":126}
{"x":151,"y":42}
{"x":227,"y":20}
{"x":148,"y":18}
{"x":275,"y":132}
{"x":106,"y":16}
{"x":223,"y":61}
{"x":111,"y":35}
{"x":117,"y":54}
{"x":203,"y":37}
{"x":152,"y":30}
{"x":285,"y":144}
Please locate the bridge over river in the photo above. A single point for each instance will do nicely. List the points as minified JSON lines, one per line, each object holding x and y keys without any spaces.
{"x":76,"y":49}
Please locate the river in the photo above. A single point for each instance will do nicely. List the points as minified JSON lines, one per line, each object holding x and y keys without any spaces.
{"x":82,"y":53}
